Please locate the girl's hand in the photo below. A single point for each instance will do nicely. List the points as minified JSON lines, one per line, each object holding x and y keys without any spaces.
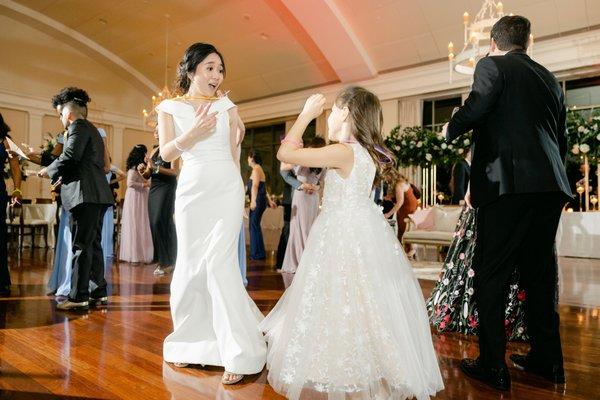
{"x":253,"y":205}
{"x":313,"y":106}
{"x":141,"y":168}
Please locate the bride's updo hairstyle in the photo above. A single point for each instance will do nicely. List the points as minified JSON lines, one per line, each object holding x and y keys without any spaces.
{"x":193,"y":56}
{"x":366,"y":123}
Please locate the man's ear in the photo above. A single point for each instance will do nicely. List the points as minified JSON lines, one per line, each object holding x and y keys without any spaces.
{"x":493,"y":46}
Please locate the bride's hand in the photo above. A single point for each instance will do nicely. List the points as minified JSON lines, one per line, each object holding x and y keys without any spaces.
{"x":204,"y":122}
{"x":314,"y":106}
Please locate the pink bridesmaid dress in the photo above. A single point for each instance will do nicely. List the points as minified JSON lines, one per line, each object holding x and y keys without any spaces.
{"x":136,"y":238}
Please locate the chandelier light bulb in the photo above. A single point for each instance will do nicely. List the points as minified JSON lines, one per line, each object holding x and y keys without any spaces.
{"x":451,"y":56}
{"x":471,"y":62}
{"x":500,"y":7}
{"x":450,"y":47}
{"x":466,"y":18}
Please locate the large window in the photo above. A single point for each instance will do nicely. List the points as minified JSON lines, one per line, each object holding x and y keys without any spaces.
{"x":266,"y":139}
{"x":583,"y":93}
{"x":437,"y":112}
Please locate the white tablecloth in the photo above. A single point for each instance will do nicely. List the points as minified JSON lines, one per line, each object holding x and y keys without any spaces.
{"x":578,"y":235}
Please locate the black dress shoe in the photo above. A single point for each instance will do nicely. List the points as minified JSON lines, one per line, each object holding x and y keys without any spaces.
{"x":498,"y":378}
{"x":553,"y":373}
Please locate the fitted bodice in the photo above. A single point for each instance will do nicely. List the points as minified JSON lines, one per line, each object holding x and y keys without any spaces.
{"x":214,"y":147}
{"x":354,"y":191}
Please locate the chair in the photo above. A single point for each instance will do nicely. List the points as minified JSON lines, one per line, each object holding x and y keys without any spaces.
{"x":117,"y":225}
{"x":23,"y":222}
{"x":440,"y":232}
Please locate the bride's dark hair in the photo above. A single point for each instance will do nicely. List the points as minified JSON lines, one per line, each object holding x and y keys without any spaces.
{"x":193,"y":56}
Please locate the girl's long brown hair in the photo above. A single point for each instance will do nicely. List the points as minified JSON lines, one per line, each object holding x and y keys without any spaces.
{"x":366,"y":122}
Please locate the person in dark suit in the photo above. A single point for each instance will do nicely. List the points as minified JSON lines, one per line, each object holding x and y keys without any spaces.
{"x":461,"y":173}
{"x":291,"y":185}
{"x":517,"y":111}
{"x":85,"y":193}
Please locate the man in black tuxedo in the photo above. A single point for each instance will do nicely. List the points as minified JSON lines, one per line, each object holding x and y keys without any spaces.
{"x":461,"y":173}
{"x":85,"y":193}
{"x":517,"y":112}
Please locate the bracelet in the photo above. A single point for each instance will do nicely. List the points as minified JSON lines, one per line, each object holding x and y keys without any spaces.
{"x":177,"y":145}
{"x":157,"y":169}
{"x":15,"y":191}
{"x":298,"y":144}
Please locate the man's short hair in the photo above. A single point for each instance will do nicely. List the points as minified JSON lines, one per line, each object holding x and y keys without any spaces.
{"x":511,"y":32}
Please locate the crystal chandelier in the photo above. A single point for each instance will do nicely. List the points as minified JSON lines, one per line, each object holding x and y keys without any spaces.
{"x":165,"y":93}
{"x":476,"y":38}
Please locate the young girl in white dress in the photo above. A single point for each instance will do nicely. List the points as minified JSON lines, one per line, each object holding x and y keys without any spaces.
{"x":353,"y":324}
{"x":215,"y":321}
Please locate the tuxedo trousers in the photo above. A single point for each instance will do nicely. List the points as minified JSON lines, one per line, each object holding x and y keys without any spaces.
{"x":518,"y":230}
{"x":88,"y":259}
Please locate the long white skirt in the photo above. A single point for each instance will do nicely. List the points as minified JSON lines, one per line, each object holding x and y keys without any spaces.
{"x":215,"y":321}
{"x":353,"y":324}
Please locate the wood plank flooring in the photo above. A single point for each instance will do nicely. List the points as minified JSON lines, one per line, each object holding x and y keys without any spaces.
{"x":116,"y":353}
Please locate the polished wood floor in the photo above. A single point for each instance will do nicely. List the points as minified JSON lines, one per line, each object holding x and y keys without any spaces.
{"x":115,"y":353}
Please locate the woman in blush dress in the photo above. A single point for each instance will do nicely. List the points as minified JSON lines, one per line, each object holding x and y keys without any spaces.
{"x":305,"y":208}
{"x":136,"y":238}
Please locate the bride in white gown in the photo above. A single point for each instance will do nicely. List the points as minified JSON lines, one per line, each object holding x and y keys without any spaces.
{"x":353,"y":324}
{"x":215,"y":321}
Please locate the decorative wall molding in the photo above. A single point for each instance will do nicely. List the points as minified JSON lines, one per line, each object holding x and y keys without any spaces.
{"x":567,"y":56}
{"x":41,"y":106}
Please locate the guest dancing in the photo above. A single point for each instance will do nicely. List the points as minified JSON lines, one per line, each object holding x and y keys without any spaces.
{"x":451,"y":305}
{"x":108,"y":227}
{"x":305,"y":208}
{"x":517,"y":112}
{"x":215,"y":322}
{"x":405,"y":202}
{"x":85,"y":193}
{"x":114,"y":176}
{"x":291,"y":184}
{"x":136,"y":238}
{"x":353,"y":322}
{"x":161,"y":208}
{"x":257,"y":190}
{"x":59,"y":283}
{"x":15,"y":198}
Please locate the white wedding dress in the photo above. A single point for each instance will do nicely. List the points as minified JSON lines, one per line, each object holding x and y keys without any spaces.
{"x":353,"y":324}
{"x":215,"y":321}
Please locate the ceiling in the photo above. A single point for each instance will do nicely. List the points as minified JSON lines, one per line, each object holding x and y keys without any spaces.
{"x":279,"y":46}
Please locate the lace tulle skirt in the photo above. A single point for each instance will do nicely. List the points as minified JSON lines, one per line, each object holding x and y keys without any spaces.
{"x":353,"y":324}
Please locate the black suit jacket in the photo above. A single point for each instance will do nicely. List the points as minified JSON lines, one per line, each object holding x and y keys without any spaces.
{"x":517,"y":111}
{"x":81,"y":167}
{"x":461,"y":174}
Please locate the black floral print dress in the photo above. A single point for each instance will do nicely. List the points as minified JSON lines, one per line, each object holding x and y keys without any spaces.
{"x":452,"y":307}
